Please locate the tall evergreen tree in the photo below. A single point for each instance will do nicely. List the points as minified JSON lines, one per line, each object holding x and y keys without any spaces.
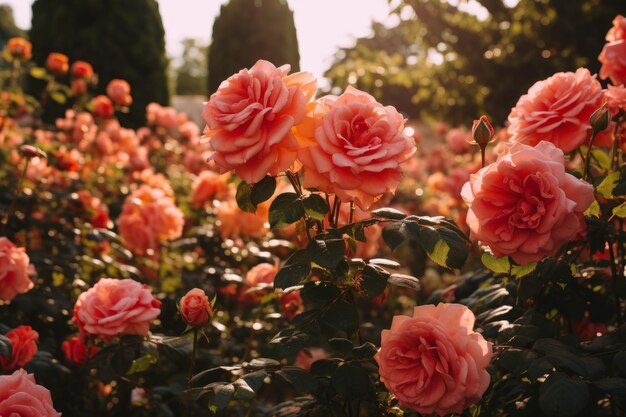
{"x":249,"y":30}
{"x":8,"y":29}
{"x":120,"y":38}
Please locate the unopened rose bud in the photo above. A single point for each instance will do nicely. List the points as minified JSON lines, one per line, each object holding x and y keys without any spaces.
{"x":482,"y":132}
{"x":29,"y":151}
{"x":196,"y":308}
{"x":82,"y":69}
{"x":600,"y":119}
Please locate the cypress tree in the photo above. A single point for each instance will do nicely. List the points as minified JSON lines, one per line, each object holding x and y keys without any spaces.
{"x":249,"y":30}
{"x":120,"y":38}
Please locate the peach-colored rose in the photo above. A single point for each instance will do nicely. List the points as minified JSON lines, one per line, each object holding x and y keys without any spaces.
{"x":23,"y":347}
{"x":119,"y":92}
{"x":306,"y":357}
{"x":434,"y":362}
{"x":234,"y":223}
{"x":82,"y":69}
{"x":613,"y":55}
{"x":615,"y":97}
{"x":76,"y":351}
{"x":102,"y":107}
{"x":57,"y":63}
{"x":14,"y":263}
{"x":207,"y":186}
{"x":261,"y":275}
{"x":525,"y":205}
{"x":557,"y":110}
{"x":116,"y":306}
{"x":353,"y":147}
{"x":458,"y":141}
{"x":196,"y":308}
{"x":249,"y":119}
{"x":20,"y":396}
{"x":149,"y":217}
{"x":19,"y":48}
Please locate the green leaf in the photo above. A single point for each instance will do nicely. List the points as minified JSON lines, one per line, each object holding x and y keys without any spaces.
{"x":58,"y":97}
{"x":299,"y":378}
{"x":6,"y":346}
{"x":244,"y":197}
{"x":261,"y":363}
{"x":605,"y":188}
{"x":373,"y":280}
{"x":352,"y":382}
{"x":389,"y":213}
{"x":286,"y":209}
{"x":498,"y":265}
{"x":612,"y":385}
{"x":519,"y":271}
{"x":295,"y":270}
{"x":444,"y":246}
{"x":243,"y":391}
{"x":255,"y":379}
{"x":342,"y":316}
{"x":620,"y":211}
{"x":315,"y":206}
{"x":561,"y":396}
{"x":141,"y":364}
{"x":341,"y":345}
{"x":326,"y":253}
{"x":223,"y":395}
{"x":593,"y":210}
{"x":263,"y":190}
{"x":395,"y":234}
{"x":364,"y":352}
{"x":406,"y":281}
{"x":38,"y":73}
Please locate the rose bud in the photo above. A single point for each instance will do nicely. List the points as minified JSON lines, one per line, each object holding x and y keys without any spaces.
{"x":19,"y":48}
{"x":30,"y":151}
{"x":482,"y":131}
{"x":600,"y":119}
{"x":196,"y":308}
{"x":82,"y":69}
{"x":57,"y":63}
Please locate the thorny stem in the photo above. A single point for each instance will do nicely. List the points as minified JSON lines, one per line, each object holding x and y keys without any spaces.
{"x":482,"y":155}
{"x":588,"y":157}
{"x":192,"y":365}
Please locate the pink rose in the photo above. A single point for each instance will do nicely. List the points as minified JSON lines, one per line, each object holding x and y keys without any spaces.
{"x":525,"y":205}
{"x":207,"y":186}
{"x":457,"y":141}
{"x":434,"y":362}
{"x":196,"y":308}
{"x":613,"y":55}
{"x":13,"y":270}
{"x":20,"y":396}
{"x":116,"y":306}
{"x":354,"y":147}
{"x":249,"y":119}
{"x":557,"y":110}
{"x":23,"y":347}
{"x":76,"y":351}
{"x":615,"y":98}
{"x":119,"y":92}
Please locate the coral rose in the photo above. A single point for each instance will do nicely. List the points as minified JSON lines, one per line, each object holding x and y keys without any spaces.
{"x":615,"y":98}
{"x":19,"y":48}
{"x":13,"y":270}
{"x":76,"y":351}
{"x":116,"y":306}
{"x":557,"y":110}
{"x":525,"y":205}
{"x":20,"y":396}
{"x":102,"y":107}
{"x":196,"y":308}
{"x":249,"y":119}
{"x":353,"y":147}
{"x":207,"y":186}
{"x":234,"y":223}
{"x":57,"y":63}
{"x":82,"y":69}
{"x":119,"y":92}
{"x":23,"y":348}
{"x":434,"y":362}
{"x":613,"y":55}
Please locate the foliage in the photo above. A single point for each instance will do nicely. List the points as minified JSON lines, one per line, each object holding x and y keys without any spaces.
{"x":191,"y":74}
{"x":8,"y":29}
{"x":249,"y":30}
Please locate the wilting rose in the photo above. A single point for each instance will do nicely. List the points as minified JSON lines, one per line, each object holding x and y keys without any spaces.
{"x":434,"y":362}
{"x":196,"y":308}
{"x":249,"y":119}
{"x":525,"y":205}
{"x":20,"y":396}
{"x":557,"y":110}
{"x":14,"y":263}
{"x":57,"y":63}
{"x":102,"y":107}
{"x":119,"y":92}
{"x":353,"y":147}
{"x":207,"y":186}
{"x":76,"y":351}
{"x":23,"y":347}
{"x":82,"y":69}
{"x":613,"y":55}
{"x":114,"y":307}
{"x":19,"y":48}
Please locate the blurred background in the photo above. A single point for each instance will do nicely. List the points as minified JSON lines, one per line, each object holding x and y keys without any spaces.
{"x":434,"y":60}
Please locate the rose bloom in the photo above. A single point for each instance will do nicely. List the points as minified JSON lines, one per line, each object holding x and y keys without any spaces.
{"x":57,"y":63}
{"x":557,"y":110}
{"x":353,"y":147}
{"x":615,"y":98}
{"x":249,"y":119}
{"x":82,"y":69}
{"x":19,"y":48}
{"x":613,"y":55}
{"x":260,"y":275}
{"x":525,"y":205}
{"x":196,"y":308}
{"x":116,"y":306}
{"x":20,"y":396}
{"x":207,"y":186}
{"x":291,"y":304}
{"x":14,"y":263}
{"x":119,"y":92}
{"x":102,"y":107}
{"x":434,"y":362}
{"x":24,"y":346}
{"x":457,"y":141}
{"x":234,"y":223}
{"x":76,"y":351}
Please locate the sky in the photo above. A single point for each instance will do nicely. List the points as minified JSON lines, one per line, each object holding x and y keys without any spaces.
{"x":322,"y":25}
